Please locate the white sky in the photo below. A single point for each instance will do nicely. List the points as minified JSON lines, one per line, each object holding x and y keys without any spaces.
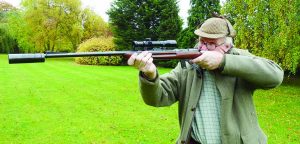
{"x":101,"y":6}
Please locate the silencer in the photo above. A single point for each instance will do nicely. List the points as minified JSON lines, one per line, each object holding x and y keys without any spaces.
{"x":26,"y":58}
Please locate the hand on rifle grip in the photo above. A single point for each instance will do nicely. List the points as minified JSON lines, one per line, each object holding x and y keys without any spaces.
{"x":143,"y":62}
{"x":209,"y":60}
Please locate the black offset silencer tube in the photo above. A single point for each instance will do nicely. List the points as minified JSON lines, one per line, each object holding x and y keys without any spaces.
{"x":26,"y":58}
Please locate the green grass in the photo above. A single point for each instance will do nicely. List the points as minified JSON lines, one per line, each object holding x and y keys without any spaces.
{"x":279,"y":112}
{"x":62,"y":102}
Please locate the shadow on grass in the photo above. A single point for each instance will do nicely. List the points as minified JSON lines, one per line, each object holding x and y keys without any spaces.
{"x":292,"y":80}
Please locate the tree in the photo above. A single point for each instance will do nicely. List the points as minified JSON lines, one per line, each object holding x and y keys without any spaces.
{"x":20,"y":31}
{"x":268,"y":28}
{"x":7,"y":43}
{"x":93,"y":25}
{"x":55,"y":24}
{"x":199,"y":12}
{"x":139,"y":19}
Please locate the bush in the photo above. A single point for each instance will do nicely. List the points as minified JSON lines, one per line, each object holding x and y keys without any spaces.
{"x":168,"y":63}
{"x":97,"y":45}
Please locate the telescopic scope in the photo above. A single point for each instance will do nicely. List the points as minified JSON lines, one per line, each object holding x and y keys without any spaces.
{"x":155,"y":44}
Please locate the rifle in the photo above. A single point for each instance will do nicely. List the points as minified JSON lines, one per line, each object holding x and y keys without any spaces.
{"x":157,"y":53}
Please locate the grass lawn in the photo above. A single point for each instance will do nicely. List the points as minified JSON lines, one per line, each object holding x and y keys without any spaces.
{"x":61,"y":102}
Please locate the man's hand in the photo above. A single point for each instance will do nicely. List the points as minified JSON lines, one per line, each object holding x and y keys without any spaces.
{"x":144,"y":63}
{"x":209,"y":59}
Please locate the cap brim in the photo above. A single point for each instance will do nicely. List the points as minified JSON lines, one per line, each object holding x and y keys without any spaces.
{"x":207,"y":35}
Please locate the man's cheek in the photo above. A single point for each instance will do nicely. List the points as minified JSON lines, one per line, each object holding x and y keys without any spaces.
{"x":223,"y":48}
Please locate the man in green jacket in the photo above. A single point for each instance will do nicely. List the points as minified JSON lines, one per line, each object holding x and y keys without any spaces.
{"x":214,"y":91}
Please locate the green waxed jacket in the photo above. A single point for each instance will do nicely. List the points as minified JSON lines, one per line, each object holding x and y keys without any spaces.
{"x":243,"y":73}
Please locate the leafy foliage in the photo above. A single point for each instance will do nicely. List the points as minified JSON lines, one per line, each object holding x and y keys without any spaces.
{"x":56,"y":25}
{"x":199,"y":12}
{"x":167,"y":64}
{"x":96,"y":45}
{"x":52,"y":21}
{"x":93,"y":25}
{"x":140,"y":19}
{"x":268,"y":28}
{"x":20,"y":31}
{"x":7,"y":42}
{"x":4,"y":7}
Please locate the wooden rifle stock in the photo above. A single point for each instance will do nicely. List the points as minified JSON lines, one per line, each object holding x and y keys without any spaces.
{"x":157,"y":55}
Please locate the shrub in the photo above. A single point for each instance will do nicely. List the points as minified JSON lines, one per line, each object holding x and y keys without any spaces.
{"x":97,"y":45}
{"x":168,"y":63}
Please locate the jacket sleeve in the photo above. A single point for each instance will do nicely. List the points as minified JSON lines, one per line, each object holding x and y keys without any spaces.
{"x":163,"y":91}
{"x":260,"y":72}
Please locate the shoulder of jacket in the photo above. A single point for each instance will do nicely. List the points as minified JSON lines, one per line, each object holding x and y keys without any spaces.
{"x":238,"y":51}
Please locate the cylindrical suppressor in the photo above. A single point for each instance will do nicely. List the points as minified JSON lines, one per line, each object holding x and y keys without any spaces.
{"x":157,"y":55}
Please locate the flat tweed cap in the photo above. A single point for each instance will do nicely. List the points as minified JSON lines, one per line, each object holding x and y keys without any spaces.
{"x":215,"y":28}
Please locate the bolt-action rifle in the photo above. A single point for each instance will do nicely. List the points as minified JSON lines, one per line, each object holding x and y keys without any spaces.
{"x":161,"y":53}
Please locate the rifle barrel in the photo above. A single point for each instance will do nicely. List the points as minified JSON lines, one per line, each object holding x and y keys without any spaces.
{"x":161,"y":55}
